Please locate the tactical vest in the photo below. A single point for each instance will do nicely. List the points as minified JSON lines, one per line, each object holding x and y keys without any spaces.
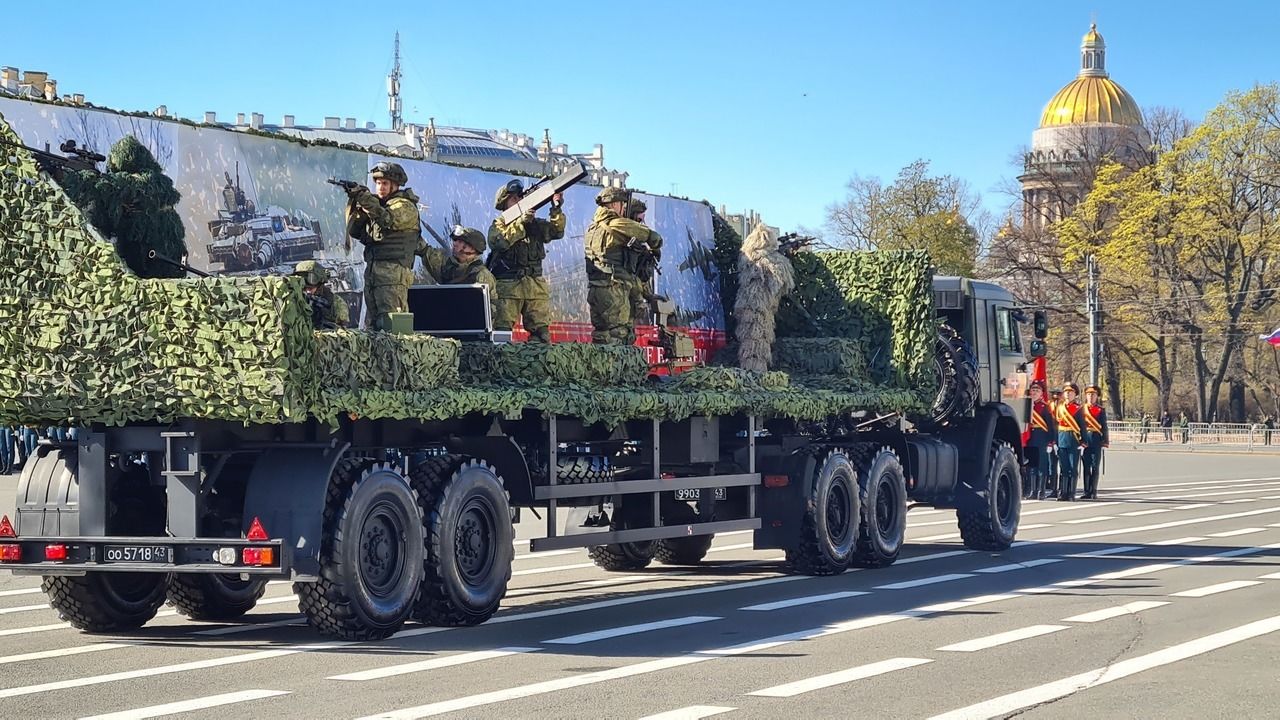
{"x":455,"y":273}
{"x":397,"y":245}
{"x":606,"y":254}
{"x":524,"y":258}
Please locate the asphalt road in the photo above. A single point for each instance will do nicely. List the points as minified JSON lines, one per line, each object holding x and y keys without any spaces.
{"x":1159,"y":600}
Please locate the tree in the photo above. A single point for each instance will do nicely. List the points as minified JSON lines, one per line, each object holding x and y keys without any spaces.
{"x":916,"y":212}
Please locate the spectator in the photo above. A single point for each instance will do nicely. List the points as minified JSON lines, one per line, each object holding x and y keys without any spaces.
{"x":1145,"y":427}
{"x":1269,"y":424}
{"x":6,"y":450}
{"x":1184,"y":427}
{"x":1166,"y":423}
{"x":30,"y":438}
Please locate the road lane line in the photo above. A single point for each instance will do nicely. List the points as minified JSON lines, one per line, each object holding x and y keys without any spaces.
{"x":545,"y":554}
{"x":1137,"y":571}
{"x":1019,"y":566}
{"x":1270,"y":576}
{"x":1139,"y":513}
{"x":935,"y":538}
{"x":1003,"y":638}
{"x":839,"y":678}
{"x":1240,"y":500}
{"x":33,"y":629}
{"x":1181,"y":541}
{"x":24,"y":608}
{"x":1035,"y":526}
{"x":1240,"y":531}
{"x":1157,"y":526}
{"x":693,"y":712}
{"x":183,"y":706}
{"x":614,"y":632}
{"x":551,"y":569}
{"x":1192,"y":506}
{"x":1008,"y":704}
{"x":932,"y":580}
{"x":806,"y":600}
{"x":432,"y":664}
{"x":1079,"y":521}
{"x":295,"y":621}
{"x":1264,"y":480}
{"x":78,"y":650}
{"x":1215,"y":589}
{"x":1112,"y":612}
{"x":1106,"y":551}
{"x":24,"y":591}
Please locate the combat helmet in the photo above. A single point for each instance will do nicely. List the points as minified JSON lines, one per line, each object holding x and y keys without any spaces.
{"x":312,"y":272}
{"x":635,"y":207}
{"x":512,"y":187}
{"x":470,"y":236}
{"x":613,"y":195}
{"x":390,"y":171}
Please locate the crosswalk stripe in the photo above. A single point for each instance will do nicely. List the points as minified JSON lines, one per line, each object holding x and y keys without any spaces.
{"x":839,"y":678}
{"x":203,"y":703}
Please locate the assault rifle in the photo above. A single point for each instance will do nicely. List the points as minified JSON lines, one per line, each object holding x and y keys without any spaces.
{"x":181,"y":265}
{"x":792,"y":243}
{"x":347,"y":185}
{"x":80,"y":158}
{"x":541,"y":193}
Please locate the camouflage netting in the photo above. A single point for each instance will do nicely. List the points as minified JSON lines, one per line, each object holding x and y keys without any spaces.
{"x":84,"y":341}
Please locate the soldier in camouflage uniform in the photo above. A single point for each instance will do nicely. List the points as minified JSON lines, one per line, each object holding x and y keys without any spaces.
{"x":642,"y":262}
{"x":328,"y":311}
{"x":609,"y":239}
{"x":516,"y":262}
{"x":465,"y":266}
{"x":387,"y":224}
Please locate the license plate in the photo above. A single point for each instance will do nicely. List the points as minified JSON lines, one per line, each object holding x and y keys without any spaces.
{"x":696,"y":494}
{"x":137,"y":554}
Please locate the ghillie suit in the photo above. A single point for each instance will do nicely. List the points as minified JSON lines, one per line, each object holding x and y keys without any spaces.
{"x":133,"y":202}
{"x":764,"y":276}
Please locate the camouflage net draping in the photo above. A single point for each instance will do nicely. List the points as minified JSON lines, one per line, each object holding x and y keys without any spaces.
{"x":84,"y":341}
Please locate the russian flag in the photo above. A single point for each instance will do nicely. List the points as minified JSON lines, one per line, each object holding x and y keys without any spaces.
{"x":1273,"y":338}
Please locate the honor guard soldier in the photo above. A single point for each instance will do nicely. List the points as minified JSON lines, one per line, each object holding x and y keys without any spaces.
{"x":387,"y":224}
{"x":465,"y":266}
{"x":609,"y":239}
{"x":1070,"y":417}
{"x":516,"y":261}
{"x":1043,"y":433}
{"x":328,"y":311}
{"x":1096,"y":437}
{"x":642,"y":262}
{"x":1051,"y":486}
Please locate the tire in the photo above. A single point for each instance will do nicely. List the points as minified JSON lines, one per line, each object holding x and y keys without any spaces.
{"x":624,"y":557}
{"x":883,"y":494}
{"x":104,"y":601}
{"x":829,"y":530}
{"x":215,"y":598}
{"x":469,"y":541}
{"x":956,"y":370}
{"x":683,"y":550}
{"x":583,"y":469}
{"x":990,"y":522}
{"x":372,"y":556}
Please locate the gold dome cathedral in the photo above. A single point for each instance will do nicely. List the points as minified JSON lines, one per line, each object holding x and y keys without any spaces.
{"x":1092,"y":97}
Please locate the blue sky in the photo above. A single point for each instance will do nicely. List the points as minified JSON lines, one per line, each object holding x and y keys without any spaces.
{"x":759,"y":105}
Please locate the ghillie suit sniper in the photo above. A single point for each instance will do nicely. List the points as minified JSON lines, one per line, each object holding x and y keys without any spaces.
{"x":764,"y":276}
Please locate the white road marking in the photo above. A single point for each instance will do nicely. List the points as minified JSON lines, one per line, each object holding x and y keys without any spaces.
{"x":1080,"y":521}
{"x":1142,"y":570}
{"x":24,"y":591}
{"x":614,"y":632}
{"x":1035,"y":526}
{"x":1270,"y":576}
{"x":693,"y":712}
{"x":174,"y":708}
{"x":1137,"y":571}
{"x":727,"y":548}
{"x":1008,"y":704}
{"x":806,"y":600}
{"x":1180,"y":541}
{"x":432,"y":664}
{"x":296,"y":621}
{"x":1117,"y":611}
{"x":1240,"y":531}
{"x":839,"y":678}
{"x":1019,"y":566}
{"x":1139,"y":513}
{"x":1215,"y":589}
{"x":545,"y":554}
{"x":551,"y":569}
{"x":1159,"y":526}
{"x":932,"y":580}
{"x":1003,"y":638}
{"x":935,"y":538}
{"x":1118,"y":549}
{"x":46,"y":654}
{"x":1199,"y":482}
{"x":23,"y":608}
{"x":1192,"y":506}
{"x":1240,"y":500}
{"x":33,"y":629}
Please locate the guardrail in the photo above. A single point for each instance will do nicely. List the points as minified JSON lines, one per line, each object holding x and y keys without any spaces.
{"x":1239,"y":436}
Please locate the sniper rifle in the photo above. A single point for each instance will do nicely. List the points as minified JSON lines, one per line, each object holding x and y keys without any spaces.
{"x":181,"y":265}
{"x":792,"y":243}
{"x":80,"y":158}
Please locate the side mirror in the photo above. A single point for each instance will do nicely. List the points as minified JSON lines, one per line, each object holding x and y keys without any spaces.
{"x":1038,"y":349}
{"x":1041,"y":325}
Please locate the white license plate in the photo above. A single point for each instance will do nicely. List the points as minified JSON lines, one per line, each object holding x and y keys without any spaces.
{"x":696,"y":494}
{"x":137,"y":553}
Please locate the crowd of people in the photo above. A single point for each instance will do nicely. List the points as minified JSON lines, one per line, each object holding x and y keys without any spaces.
{"x":17,"y":444}
{"x":1065,"y":440}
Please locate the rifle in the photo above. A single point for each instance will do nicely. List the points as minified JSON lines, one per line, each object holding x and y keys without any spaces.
{"x":347,"y":185}
{"x":153,"y":255}
{"x":792,"y":243}
{"x":648,"y":259}
{"x":444,"y":245}
{"x":81,"y":159}
{"x":541,"y":193}
{"x":320,"y":305}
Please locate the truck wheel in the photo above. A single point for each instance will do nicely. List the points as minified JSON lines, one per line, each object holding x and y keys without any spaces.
{"x":469,"y":541}
{"x":101,"y":601}
{"x":216,"y":598}
{"x":625,"y":557}
{"x":883,"y":492}
{"x":582,"y":469}
{"x":830,"y":526}
{"x":991,"y":521}
{"x":683,"y":550}
{"x":371,"y":559}
{"x":956,"y":371}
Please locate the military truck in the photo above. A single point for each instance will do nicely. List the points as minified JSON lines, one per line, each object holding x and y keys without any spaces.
{"x":223,"y":443}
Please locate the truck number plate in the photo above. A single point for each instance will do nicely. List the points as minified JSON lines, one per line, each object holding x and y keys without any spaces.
{"x":137,"y":553}
{"x":696,"y":494}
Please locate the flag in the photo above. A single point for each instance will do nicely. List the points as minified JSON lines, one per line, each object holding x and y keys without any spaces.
{"x":1273,"y":338}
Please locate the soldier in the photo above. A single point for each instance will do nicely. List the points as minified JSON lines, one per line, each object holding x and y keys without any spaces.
{"x":1043,"y":433}
{"x":642,"y":262}
{"x":465,"y":266}
{"x":328,"y":311}
{"x":516,"y":262}
{"x":1096,"y":437}
{"x":1051,"y":485}
{"x":388,"y":226}
{"x":609,"y":239}
{"x":1070,"y":417}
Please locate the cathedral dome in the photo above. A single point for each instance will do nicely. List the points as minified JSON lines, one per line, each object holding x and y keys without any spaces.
{"x":1092,"y":97}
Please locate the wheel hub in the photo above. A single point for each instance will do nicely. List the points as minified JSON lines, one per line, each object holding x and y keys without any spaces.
{"x":837,"y":515}
{"x":473,"y":543}
{"x":380,"y":552}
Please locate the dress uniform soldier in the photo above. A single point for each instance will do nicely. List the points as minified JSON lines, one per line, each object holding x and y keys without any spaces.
{"x":1043,"y":432}
{"x":1070,"y":417}
{"x":1096,"y":437}
{"x":642,"y":262}
{"x":388,"y":225}
{"x":465,"y":266}
{"x":518,"y":249}
{"x":328,"y":311}
{"x":608,"y":239}
{"x":1051,"y":486}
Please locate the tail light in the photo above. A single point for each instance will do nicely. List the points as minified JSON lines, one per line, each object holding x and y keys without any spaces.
{"x":10,"y":553}
{"x":258,"y":556}
{"x":776,"y":481}
{"x":55,"y":552}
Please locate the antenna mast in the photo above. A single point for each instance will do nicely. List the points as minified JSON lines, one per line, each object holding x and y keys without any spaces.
{"x":393,"y":91}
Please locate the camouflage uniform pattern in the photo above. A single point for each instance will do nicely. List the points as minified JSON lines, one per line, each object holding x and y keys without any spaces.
{"x":447,"y":270}
{"x":516,"y":262}
{"x":390,"y":232}
{"x":330,"y":312}
{"x":642,"y":266}
{"x":610,"y":283}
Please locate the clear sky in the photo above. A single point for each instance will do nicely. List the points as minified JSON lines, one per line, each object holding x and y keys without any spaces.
{"x":763,"y":105}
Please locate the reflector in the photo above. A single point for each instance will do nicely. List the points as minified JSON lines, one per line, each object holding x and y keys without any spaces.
{"x":256,"y":533}
{"x":6,"y":527}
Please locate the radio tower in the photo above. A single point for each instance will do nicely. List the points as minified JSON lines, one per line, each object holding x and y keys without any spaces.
{"x":393,"y":91}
